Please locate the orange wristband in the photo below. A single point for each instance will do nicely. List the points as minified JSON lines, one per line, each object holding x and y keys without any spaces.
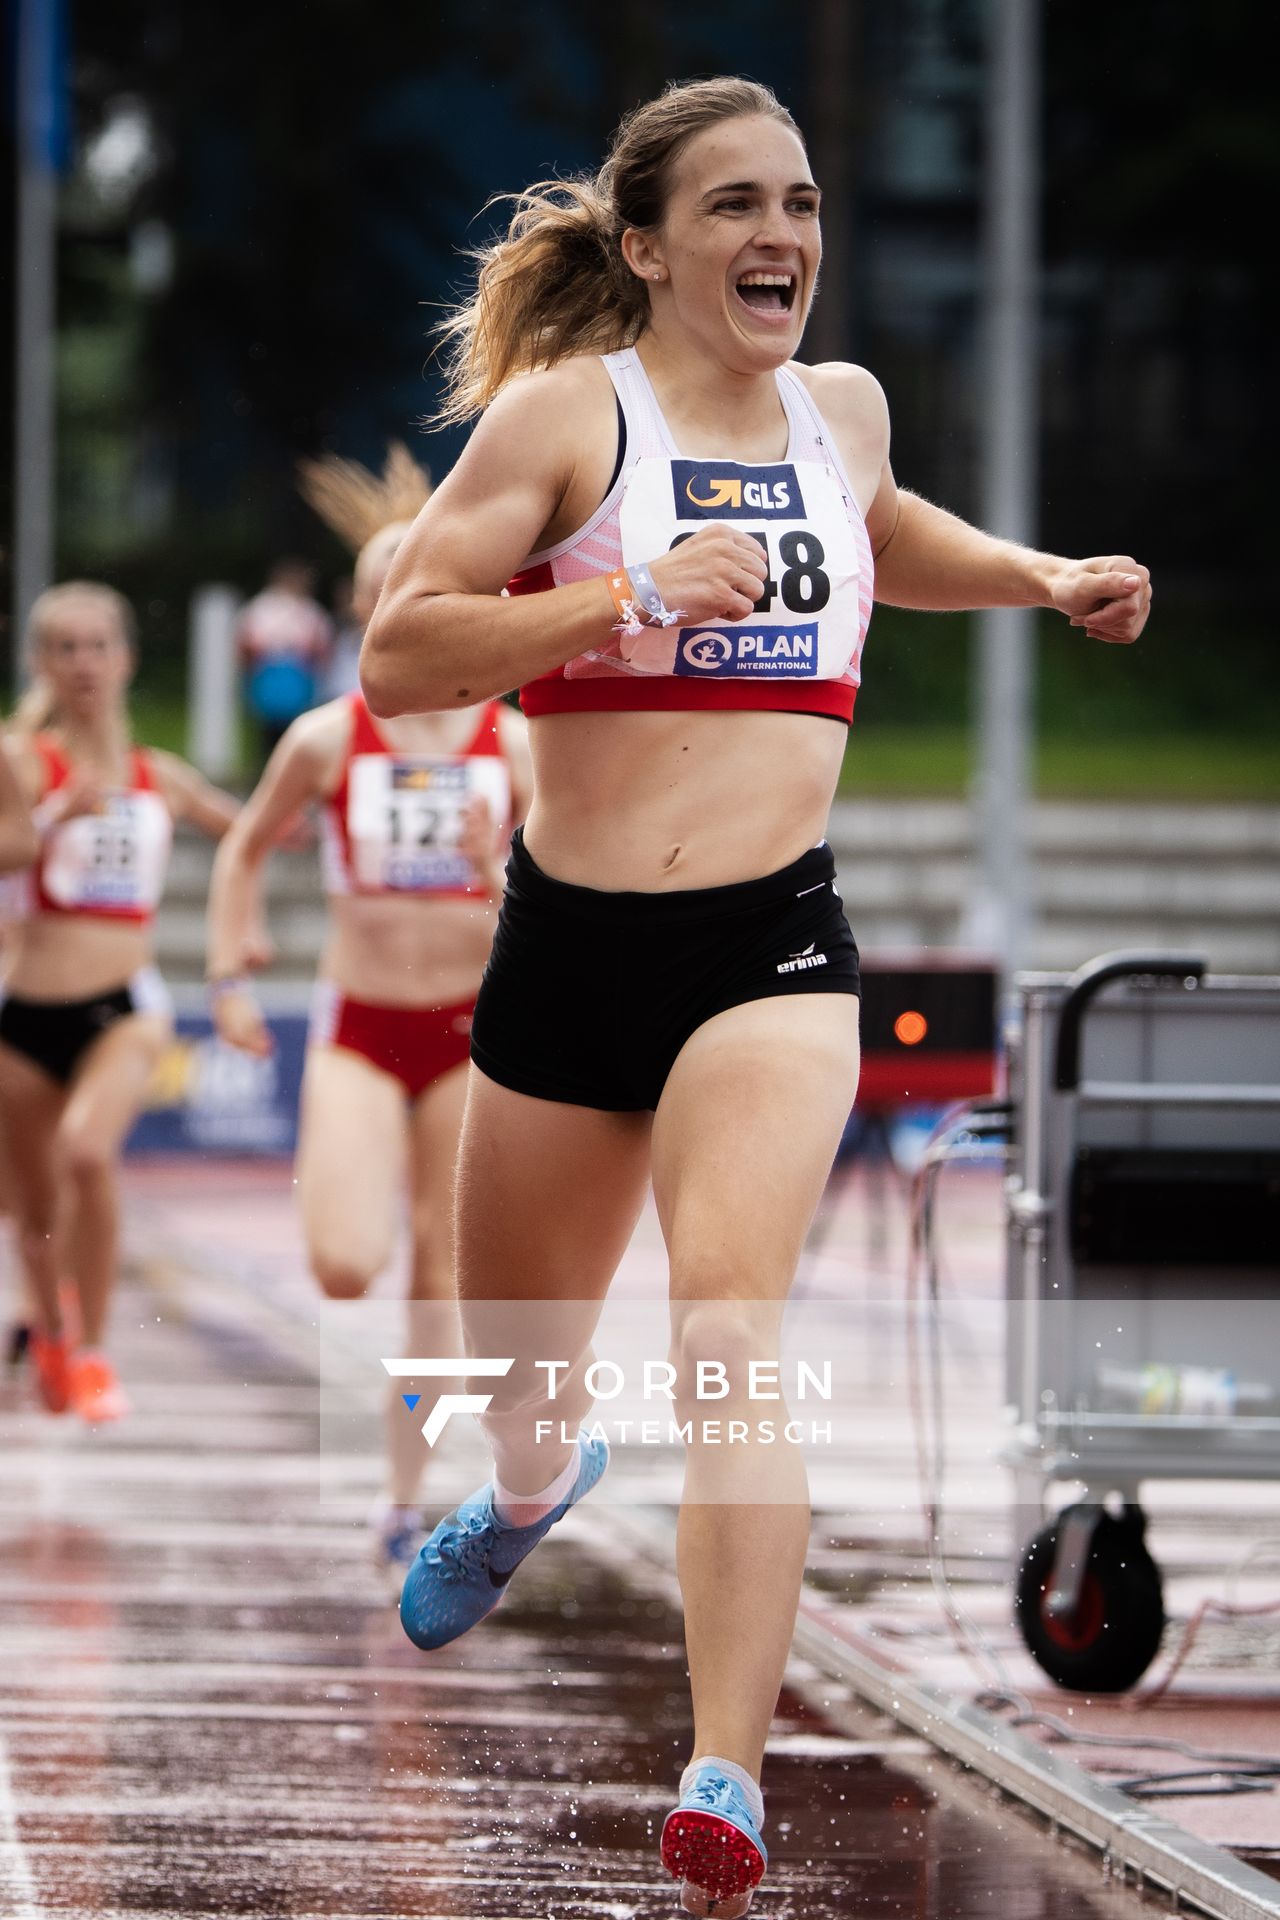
{"x":622,"y":593}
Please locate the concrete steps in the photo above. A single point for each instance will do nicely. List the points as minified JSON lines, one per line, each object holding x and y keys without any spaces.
{"x":296,"y":912}
{"x":1202,"y":878}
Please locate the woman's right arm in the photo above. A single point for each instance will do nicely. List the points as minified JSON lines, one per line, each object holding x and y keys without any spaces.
{"x":19,"y":839}
{"x":443,"y":635}
{"x":300,"y":770}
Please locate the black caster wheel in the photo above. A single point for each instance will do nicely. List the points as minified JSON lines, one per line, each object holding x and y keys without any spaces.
{"x":1112,"y":1634}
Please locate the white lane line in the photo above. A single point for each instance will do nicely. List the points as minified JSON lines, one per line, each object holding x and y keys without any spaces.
{"x":17,"y":1888}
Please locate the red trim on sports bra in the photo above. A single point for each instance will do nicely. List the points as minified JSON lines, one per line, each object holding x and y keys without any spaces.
{"x":535,"y":580}
{"x":367,"y":736}
{"x":552,"y":693}
{"x":57,"y":766}
{"x":655,"y":692}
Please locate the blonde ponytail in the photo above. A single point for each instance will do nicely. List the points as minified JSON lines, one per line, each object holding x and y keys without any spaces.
{"x":356,"y":503}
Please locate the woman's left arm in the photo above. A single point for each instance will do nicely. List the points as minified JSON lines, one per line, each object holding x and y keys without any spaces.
{"x":931,"y":559}
{"x":189,"y":796}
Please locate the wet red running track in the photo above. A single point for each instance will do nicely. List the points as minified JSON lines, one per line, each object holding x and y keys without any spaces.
{"x":207,"y":1706}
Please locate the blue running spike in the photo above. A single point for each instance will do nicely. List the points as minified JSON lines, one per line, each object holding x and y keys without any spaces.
{"x":462,"y":1572}
{"x":411,"y":1400}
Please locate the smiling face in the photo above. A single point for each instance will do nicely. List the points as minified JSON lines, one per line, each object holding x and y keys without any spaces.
{"x":739,"y":246}
{"x":84,"y":655}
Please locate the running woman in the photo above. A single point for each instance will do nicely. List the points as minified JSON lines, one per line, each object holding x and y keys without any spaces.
{"x":415,"y":812}
{"x":85,"y":1014}
{"x":19,"y":844}
{"x":19,"y":841}
{"x":688,"y":519}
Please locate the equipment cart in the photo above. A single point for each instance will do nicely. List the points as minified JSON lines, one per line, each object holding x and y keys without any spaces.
{"x":1143,"y":1281}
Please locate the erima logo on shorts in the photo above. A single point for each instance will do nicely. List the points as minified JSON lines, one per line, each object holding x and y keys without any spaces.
{"x":801,"y":962}
{"x":737,"y":653}
{"x":727,"y":491}
{"x":447,"y":1404}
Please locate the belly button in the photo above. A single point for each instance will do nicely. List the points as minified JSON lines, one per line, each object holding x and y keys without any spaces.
{"x":671,"y":859}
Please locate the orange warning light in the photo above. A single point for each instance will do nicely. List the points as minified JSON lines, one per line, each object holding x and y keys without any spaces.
{"x":910,"y":1028}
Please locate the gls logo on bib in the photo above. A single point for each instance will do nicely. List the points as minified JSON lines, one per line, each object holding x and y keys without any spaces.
{"x":736,"y":653}
{"x":724,"y":490}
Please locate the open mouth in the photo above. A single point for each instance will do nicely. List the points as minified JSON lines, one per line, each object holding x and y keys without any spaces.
{"x":767,"y":292}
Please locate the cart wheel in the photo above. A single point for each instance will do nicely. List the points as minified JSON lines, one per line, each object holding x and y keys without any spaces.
{"x":1114,"y":1633}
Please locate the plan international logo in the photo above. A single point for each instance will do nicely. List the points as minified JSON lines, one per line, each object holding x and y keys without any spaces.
{"x":724,"y":490}
{"x":774,"y":653}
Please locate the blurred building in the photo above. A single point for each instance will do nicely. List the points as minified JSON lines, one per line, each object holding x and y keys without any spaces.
{"x":269,"y":203}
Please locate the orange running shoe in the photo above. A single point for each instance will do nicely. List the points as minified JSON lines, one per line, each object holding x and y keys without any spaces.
{"x":96,"y":1393}
{"x":50,"y":1355}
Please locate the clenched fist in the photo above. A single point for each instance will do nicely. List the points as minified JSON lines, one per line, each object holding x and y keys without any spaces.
{"x":716,"y":574}
{"x":1109,"y":598}
{"x":238,"y":1020}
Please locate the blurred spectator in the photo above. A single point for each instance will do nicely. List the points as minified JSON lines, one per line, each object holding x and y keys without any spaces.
{"x":343,"y":675}
{"x":284,"y":637}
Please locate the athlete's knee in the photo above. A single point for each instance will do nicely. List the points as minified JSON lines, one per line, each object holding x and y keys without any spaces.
{"x":714,"y":1346}
{"x":343,"y":1273}
{"x":83,"y":1156}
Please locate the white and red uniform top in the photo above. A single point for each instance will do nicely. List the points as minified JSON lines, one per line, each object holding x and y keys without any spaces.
{"x":394,"y":820}
{"x":800,"y":650}
{"x":111,"y":863}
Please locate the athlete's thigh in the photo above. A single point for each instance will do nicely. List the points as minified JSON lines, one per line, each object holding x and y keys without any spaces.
{"x":435,"y":1128}
{"x":6,"y":1169}
{"x":435,"y":1125}
{"x":351,"y":1157}
{"x":744,"y":1137}
{"x":31,"y":1106}
{"x":110,"y":1082}
{"x":547,"y":1195}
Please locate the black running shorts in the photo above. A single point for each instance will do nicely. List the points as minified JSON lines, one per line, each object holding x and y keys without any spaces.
{"x":56,"y":1034}
{"x":588,"y":996}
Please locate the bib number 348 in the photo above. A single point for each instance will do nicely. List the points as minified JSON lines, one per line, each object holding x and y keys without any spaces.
{"x":802,"y":586}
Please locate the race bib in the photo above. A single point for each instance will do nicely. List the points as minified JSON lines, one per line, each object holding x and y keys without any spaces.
{"x":113,"y":860}
{"x":404,"y":818}
{"x":805,"y":625}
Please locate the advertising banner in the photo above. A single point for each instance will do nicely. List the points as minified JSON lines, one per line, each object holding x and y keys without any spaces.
{"x":207,"y":1097}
